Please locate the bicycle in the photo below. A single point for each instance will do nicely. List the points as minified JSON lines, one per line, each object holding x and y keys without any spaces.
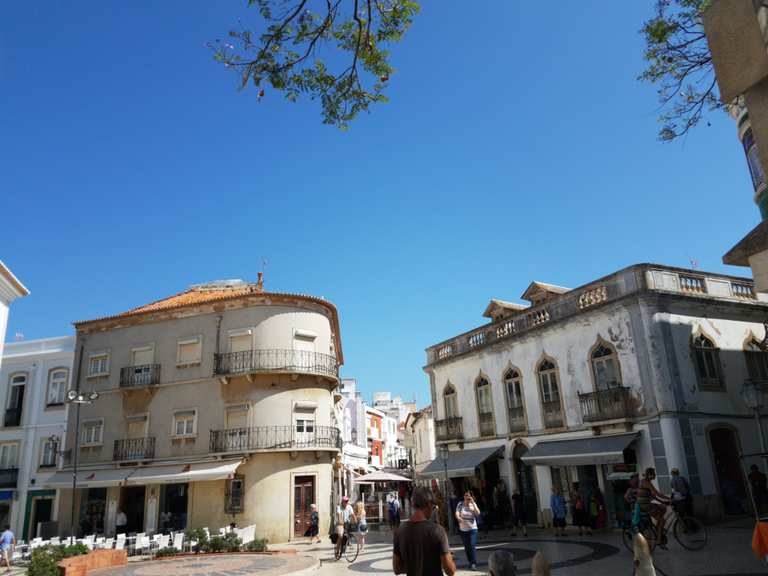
{"x":688,"y":530}
{"x":348,"y":546}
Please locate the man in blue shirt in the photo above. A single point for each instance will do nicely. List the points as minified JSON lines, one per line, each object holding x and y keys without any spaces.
{"x":7,"y":541}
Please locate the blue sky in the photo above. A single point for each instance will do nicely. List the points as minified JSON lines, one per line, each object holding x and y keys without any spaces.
{"x":517,"y":145}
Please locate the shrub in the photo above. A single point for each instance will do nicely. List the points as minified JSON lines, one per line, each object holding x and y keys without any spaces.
{"x":200,"y":536}
{"x":215,"y":544}
{"x":258,"y":545}
{"x":45,"y":558}
{"x":167,"y":551}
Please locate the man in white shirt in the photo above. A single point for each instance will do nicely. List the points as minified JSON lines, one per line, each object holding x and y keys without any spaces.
{"x":121,"y":522}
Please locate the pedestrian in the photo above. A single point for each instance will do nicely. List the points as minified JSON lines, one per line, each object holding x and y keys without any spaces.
{"x":467,"y":513}
{"x":579,"y":513}
{"x":394,"y":512}
{"x":121,"y":521}
{"x":345,"y":517}
{"x":652,"y":502}
{"x":759,"y":484}
{"x":518,"y":513}
{"x":682,"y":501}
{"x":557,"y":504}
{"x":362,"y":523}
{"x":501,"y":563}
{"x":596,"y":509}
{"x":7,"y":542}
{"x":630,"y":497}
{"x":314,"y":525}
{"x":420,"y":547}
{"x":501,"y":502}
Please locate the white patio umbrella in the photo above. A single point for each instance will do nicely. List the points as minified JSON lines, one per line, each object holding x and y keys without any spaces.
{"x":380,"y":477}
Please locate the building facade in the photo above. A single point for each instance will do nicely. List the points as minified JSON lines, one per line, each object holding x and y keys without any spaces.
{"x":215,"y":405}
{"x":10,"y":290}
{"x":644,"y":367}
{"x":34,"y":379}
{"x":374,"y":424}
{"x":354,"y":458}
{"x":419,"y":440}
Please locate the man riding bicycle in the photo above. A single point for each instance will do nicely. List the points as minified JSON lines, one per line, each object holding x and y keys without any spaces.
{"x":653,"y":503}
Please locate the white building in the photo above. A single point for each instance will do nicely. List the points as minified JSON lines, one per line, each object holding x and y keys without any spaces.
{"x":10,"y":289}
{"x":34,"y":377}
{"x":351,"y":415}
{"x":644,"y":367}
{"x":419,"y":439}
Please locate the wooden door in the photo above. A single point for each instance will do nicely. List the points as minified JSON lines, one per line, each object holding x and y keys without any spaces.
{"x":303,"y":496}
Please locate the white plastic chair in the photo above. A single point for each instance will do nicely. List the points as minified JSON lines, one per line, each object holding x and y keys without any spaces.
{"x":55,"y":541}
{"x":120,"y":542}
{"x":222,"y":531}
{"x":178,"y":540}
{"x":162,"y":542}
{"x":248,"y":534}
{"x":207,"y":532}
{"x":143,"y":543}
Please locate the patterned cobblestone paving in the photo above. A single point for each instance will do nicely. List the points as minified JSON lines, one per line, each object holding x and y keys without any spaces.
{"x":217,"y":565}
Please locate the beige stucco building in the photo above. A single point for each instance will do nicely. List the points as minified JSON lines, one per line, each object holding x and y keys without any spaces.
{"x":215,"y":405}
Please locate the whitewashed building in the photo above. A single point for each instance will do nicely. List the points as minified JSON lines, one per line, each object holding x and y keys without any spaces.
{"x":419,"y":440}
{"x":10,"y":289}
{"x":644,"y":367}
{"x":34,"y":379}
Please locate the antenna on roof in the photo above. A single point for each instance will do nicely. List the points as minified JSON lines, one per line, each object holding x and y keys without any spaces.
{"x":694,"y":263}
{"x":18,"y":336}
{"x":260,"y":281}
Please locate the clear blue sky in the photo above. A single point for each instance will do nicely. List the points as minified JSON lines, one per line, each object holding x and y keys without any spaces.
{"x":517,"y":145}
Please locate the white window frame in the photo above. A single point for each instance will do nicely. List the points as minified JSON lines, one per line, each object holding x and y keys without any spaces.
{"x":179,"y":412}
{"x":189,"y":340}
{"x":54,"y":448}
{"x":144,"y":348}
{"x":15,"y":464}
{"x":98,"y":354}
{"x":96,"y":441}
{"x":64,"y":386}
{"x":238,"y":332}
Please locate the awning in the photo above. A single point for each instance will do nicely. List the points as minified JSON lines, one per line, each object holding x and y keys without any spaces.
{"x":461,"y":463}
{"x":581,"y":451}
{"x":197,"y":472}
{"x":89,"y":478}
{"x":381,"y":477}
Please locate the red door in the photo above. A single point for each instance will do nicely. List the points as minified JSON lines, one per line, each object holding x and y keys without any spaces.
{"x":303,"y":496}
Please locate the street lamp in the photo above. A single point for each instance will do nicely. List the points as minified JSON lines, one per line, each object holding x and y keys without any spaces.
{"x":444,"y":454}
{"x":752,"y":393}
{"x":77,"y":398}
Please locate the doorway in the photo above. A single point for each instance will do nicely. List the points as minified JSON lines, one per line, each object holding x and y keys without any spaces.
{"x":730,"y":479}
{"x":173,"y":507}
{"x":132,"y":504}
{"x":526,"y":484}
{"x":42,"y":511}
{"x":303,"y":496}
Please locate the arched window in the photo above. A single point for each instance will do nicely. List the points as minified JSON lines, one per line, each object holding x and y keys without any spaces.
{"x":550,"y":394}
{"x":451,"y":403}
{"x":485,"y":407}
{"x":605,"y":367}
{"x":514,"y":389}
{"x":706,"y":359}
{"x":757,"y":361}
{"x":57,"y":386}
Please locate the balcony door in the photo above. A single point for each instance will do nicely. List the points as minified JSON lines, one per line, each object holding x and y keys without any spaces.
{"x":9,"y":456}
{"x":137,"y":427}
{"x":237,"y":427}
{"x":303,"y":498}
{"x":16,"y":400}
{"x":303,"y":350}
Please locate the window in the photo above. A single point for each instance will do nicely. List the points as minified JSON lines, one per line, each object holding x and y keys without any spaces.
{"x":48,"y":453}
{"x":451,"y":403}
{"x":514,"y":389}
{"x":15,"y":406}
{"x":605,"y":367}
{"x":57,"y":386}
{"x":137,"y":426}
{"x":185,"y":423}
{"x":9,"y":456}
{"x":189,"y":351}
{"x":92,"y":431}
{"x":757,"y":361}
{"x":143,"y":356}
{"x":706,"y":360}
{"x":548,"y":383}
{"x":98,"y":364}
{"x":753,"y":159}
{"x":234,"y":497}
{"x":485,"y":407}
{"x":240,"y":341}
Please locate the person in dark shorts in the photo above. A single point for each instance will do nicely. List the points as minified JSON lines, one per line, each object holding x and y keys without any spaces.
{"x":420,"y":547}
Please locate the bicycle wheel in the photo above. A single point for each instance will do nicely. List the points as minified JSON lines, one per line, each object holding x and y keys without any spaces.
{"x":690,"y":532}
{"x":353,"y":548}
{"x":628,"y":536}
{"x":338,"y":549}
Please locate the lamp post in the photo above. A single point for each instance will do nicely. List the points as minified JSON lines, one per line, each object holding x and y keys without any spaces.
{"x":752,"y":393}
{"x":77,"y":398}
{"x":444,"y":454}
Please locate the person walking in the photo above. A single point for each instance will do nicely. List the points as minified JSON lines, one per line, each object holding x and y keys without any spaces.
{"x":759,"y":484}
{"x":420,"y":547}
{"x":518,"y":513}
{"x":557,"y":505}
{"x":7,"y":542}
{"x":120,"y":522}
{"x":362,"y":523}
{"x":467,"y":513}
{"x":630,"y":498}
{"x":682,"y":501}
{"x":580,"y":518}
{"x":596,"y":509}
{"x":501,"y":503}
{"x":314,"y":525}
{"x":394,"y":512}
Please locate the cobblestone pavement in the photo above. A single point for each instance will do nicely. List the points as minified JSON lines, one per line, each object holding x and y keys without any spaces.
{"x":728,"y":553}
{"x":215,"y":565}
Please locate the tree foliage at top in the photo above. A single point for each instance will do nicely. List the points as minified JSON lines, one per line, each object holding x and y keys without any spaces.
{"x":680,"y":64}
{"x":283,"y":53}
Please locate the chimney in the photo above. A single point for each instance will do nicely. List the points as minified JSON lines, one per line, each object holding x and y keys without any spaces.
{"x":260,"y":282}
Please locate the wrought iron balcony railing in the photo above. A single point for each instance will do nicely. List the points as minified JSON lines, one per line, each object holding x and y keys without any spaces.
{"x":9,"y":477}
{"x":609,"y":404}
{"x":516,"y":419}
{"x":274,"y":438}
{"x":449,"y":429}
{"x":275,"y":360}
{"x":138,"y":376}
{"x":12,"y":417}
{"x":127,"y":449}
{"x":487,"y":427}
{"x":553,"y":414}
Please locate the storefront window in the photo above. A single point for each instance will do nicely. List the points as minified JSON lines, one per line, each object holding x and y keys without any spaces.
{"x":173,"y":507}
{"x":93,"y":504}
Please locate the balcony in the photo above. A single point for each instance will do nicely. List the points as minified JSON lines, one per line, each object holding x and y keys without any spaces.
{"x":274,"y":438}
{"x":517,"y":419}
{"x":140,"y":376}
{"x":12,"y":417}
{"x":449,"y":429}
{"x":487,"y":427}
{"x":9,"y":477}
{"x":129,"y":449}
{"x":553,"y":414}
{"x":610,"y":404}
{"x":270,"y":361}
